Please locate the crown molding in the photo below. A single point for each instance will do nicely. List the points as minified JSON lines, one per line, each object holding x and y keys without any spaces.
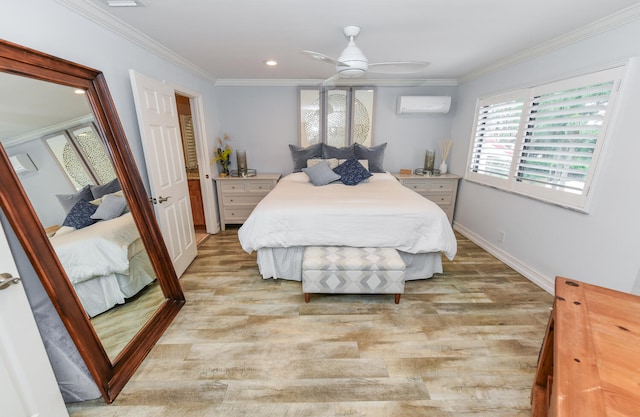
{"x":615,"y":20}
{"x":351,"y":82}
{"x":44,"y":131}
{"x":93,"y":12}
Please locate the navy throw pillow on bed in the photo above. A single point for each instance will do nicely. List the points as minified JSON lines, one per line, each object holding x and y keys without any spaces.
{"x":80,"y":215}
{"x":352,"y":172}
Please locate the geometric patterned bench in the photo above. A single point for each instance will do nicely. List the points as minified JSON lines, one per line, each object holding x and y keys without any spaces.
{"x":347,"y":270}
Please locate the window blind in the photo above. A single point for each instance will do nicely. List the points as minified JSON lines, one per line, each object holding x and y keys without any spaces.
{"x":544,"y":141}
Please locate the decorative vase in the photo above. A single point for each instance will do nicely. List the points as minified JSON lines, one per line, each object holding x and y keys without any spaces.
{"x":429,"y":159}
{"x":443,"y":167}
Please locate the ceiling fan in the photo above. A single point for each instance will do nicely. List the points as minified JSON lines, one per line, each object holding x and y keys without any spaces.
{"x":352,"y":63}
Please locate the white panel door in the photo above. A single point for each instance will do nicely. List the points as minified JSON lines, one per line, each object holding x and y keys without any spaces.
{"x":162,"y":145}
{"x":28,"y":386}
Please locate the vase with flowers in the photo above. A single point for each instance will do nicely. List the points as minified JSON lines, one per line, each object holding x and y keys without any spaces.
{"x":222,"y":153}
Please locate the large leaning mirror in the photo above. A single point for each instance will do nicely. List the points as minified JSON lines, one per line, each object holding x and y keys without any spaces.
{"x":81,"y":212}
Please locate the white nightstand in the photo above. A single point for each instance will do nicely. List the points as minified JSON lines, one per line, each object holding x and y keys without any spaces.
{"x":238,"y":196}
{"x":441,"y":189}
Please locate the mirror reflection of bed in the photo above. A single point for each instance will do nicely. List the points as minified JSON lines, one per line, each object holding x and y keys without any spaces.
{"x":71,"y":183}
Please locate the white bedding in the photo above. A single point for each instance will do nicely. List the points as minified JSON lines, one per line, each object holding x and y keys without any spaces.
{"x":103,"y":248}
{"x":378,"y":213}
{"x":106,"y":262}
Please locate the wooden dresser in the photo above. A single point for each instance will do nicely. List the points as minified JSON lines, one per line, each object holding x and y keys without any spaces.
{"x":237,"y":196}
{"x":589,"y":364}
{"x":441,"y":189}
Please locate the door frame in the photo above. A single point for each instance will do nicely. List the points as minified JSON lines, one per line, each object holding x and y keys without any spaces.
{"x":204,"y":159}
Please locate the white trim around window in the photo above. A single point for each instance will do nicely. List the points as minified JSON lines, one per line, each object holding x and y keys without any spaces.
{"x":544,"y":141}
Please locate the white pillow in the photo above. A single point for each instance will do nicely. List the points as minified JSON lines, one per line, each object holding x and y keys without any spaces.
{"x":332,"y":162}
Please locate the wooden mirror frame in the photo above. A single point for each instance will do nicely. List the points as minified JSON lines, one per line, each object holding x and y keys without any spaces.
{"x":110,"y":376}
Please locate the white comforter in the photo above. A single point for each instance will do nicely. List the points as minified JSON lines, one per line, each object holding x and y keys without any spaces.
{"x":100,"y":249}
{"x":378,"y":213}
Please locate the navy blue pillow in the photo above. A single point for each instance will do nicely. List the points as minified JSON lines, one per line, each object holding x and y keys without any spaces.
{"x":80,"y":215}
{"x":352,"y":172}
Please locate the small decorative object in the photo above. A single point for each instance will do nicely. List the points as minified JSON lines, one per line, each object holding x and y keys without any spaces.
{"x":241,"y":159}
{"x":429,"y":161}
{"x":445,"y":148}
{"x":222,"y":154}
{"x":405,"y":172}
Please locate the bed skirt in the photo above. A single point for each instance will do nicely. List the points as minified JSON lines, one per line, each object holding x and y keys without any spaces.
{"x":286,"y":263}
{"x":99,"y":294}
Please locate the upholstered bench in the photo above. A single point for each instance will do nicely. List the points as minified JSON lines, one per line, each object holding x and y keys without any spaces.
{"x":346,"y":270}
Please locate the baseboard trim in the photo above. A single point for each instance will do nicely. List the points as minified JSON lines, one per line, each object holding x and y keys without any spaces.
{"x":542,"y":281}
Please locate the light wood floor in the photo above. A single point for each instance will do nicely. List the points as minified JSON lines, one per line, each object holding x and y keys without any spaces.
{"x":464,"y":343}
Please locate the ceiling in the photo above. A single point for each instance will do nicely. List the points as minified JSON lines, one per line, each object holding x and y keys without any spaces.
{"x":229,"y":40}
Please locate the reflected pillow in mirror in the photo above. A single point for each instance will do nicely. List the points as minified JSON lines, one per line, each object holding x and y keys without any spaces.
{"x":321,"y":174}
{"x":80,"y":215}
{"x":67,"y":201}
{"x":100,"y":190}
{"x":111,"y":207}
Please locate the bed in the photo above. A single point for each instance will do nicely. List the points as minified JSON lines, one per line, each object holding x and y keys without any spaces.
{"x":106,"y":262}
{"x":378,"y":212}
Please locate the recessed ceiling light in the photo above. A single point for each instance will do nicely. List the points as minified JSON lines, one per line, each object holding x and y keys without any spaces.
{"x":79,"y":91}
{"x":123,"y":3}
{"x":270,"y":63}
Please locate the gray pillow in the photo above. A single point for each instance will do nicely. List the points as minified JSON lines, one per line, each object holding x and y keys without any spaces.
{"x":374,"y":154}
{"x":300,"y":155}
{"x":100,"y":190}
{"x":329,"y":151}
{"x":112,"y":206}
{"x":67,"y":201}
{"x":321,"y":174}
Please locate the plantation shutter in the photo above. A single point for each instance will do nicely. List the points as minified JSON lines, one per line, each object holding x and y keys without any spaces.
{"x":497,"y":126}
{"x":544,"y":141}
{"x":561,"y":137}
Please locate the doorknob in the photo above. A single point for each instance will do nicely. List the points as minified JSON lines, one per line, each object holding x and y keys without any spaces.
{"x":7,"y":279}
{"x":162,"y":199}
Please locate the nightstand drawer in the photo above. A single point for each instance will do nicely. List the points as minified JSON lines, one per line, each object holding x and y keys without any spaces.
{"x":442,"y":190}
{"x":445,"y":186}
{"x":237,"y":196}
{"x":441,"y":200}
{"x":237,"y":215}
{"x":241,"y":199}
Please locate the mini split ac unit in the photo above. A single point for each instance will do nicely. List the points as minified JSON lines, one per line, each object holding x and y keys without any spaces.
{"x":22,"y":163}
{"x":423,"y":104}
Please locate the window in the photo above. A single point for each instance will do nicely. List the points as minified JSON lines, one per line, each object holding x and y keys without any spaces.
{"x":335,"y":116}
{"x":544,"y":142}
{"x":82,"y":156}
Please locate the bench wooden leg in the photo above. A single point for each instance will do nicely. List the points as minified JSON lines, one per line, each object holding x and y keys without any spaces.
{"x":307,"y":297}
{"x":397,"y":299}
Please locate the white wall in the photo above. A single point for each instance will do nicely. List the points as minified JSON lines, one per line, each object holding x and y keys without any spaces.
{"x":263,"y":121}
{"x":543,"y":240}
{"x":49,"y":27}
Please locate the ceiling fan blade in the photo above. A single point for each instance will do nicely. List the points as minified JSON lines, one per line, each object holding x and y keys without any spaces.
{"x":321,"y":57}
{"x":331,"y":79}
{"x":398,"y":67}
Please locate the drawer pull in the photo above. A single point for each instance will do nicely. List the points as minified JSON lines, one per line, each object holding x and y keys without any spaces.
{"x":231,"y":200}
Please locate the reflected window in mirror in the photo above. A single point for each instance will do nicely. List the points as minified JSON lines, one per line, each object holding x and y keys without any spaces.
{"x":81,"y":155}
